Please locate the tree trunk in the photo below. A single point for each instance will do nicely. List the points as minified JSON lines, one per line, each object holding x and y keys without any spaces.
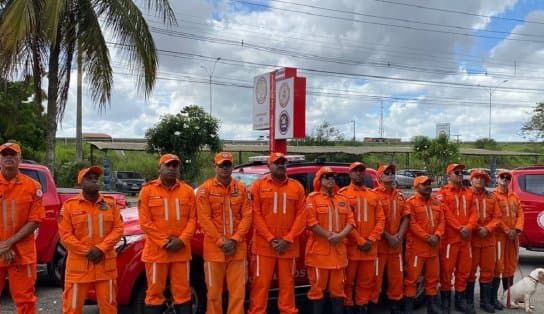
{"x":52,"y":110}
{"x":79,"y":135}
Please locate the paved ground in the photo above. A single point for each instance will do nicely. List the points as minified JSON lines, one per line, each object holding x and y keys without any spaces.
{"x":49,"y":297}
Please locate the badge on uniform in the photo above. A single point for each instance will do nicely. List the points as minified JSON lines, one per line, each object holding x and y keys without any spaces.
{"x":235,"y":192}
{"x":102,"y":205}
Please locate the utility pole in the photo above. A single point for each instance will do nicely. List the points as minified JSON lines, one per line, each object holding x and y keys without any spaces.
{"x":210,"y":75}
{"x":353,"y":121}
{"x":457,"y":136}
{"x":491,"y":91}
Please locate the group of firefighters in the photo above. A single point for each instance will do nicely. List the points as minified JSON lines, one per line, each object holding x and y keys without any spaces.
{"x":358,"y":236}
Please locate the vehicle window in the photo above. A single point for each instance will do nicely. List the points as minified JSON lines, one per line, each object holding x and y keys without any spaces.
{"x":533,"y":184}
{"x":246,"y":179}
{"x":304,"y":180}
{"x":36,"y":175}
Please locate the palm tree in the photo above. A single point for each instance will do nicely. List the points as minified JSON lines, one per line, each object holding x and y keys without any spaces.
{"x":61,"y":28}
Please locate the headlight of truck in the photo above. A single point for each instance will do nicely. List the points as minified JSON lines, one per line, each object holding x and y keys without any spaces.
{"x":126,"y":241}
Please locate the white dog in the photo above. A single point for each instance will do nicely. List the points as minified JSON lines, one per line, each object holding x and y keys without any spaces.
{"x":523,"y":290}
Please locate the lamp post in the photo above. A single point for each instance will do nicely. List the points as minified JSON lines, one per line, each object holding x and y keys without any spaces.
{"x":210,"y":75}
{"x":491,"y":91}
{"x":353,"y":121}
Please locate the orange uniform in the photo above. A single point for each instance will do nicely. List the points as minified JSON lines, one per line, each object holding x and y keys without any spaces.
{"x":454,"y":249}
{"x":426,"y":219}
{"x":369,"y":225}
{"x":394,"y":208}
{"x":21,"y":200}
{"x":512,"y":219}
{"x":165,"y":212}
{"x":327,"y":262}
{"x":483,"y":248}
{"x":224,"y":212}
{"x":278,"y":213}
{"x":82,"y":225}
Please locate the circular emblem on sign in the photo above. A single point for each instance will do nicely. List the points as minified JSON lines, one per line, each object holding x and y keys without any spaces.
{"x":540,"y":220}
{"x":285,"y":94}
{"x":260,"y":90}
{"x":284,"y":122}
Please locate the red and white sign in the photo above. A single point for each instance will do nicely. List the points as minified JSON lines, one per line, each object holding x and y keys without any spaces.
{"x":289,"y":118}
{"x":261,"y":102}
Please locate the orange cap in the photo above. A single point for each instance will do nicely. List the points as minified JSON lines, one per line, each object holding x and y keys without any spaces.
{"x":318,"y":175}
{"x":12,"y":146}
{"x":275,"y":157}
{"x":356,"y":164}
{"x":93,"y":169}
{"x":222,"y":157}
{"x":452,"y":167}
{"x":504,"y":171}
{"x":383,"y":168}
{"x":422,"y":180}
{"x":167,"y":158}
{"x":480,"y":173}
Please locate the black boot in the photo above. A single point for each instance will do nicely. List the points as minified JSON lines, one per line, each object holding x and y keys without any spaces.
{"x":395,"y":307}
{"x":433,"y":306}
{"x":494,"y":291}
{"x":507,"y":282}
{"x":153,"y":309}
{"x":408,"y":305}
{"x":348,"y":309}
{"x":460,"y":302}
{"x":337,"y":306}
{"x":184,"y":308}
{"x":469,"y":293}
{"x":317,"y":306}
{"x":485,"y":298}
{"x":446,"y":301}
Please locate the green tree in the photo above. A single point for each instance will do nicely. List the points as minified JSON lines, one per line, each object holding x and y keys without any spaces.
{"x":324,"y":134}
{"x":436,"y":154}
{"x":22,"y":119}
{"x":34,"y":30}
{"x":485,"y":143}
{"x":534,"y":128}
{"x":185,"y":134}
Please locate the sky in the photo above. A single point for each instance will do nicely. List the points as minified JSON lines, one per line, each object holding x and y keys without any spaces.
{"x":417,"y":63}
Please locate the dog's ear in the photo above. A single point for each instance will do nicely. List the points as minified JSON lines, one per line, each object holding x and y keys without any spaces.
{"x":541,"y":276}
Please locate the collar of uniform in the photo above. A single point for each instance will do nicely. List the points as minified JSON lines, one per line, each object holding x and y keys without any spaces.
{"x":82,"y":198}
{"x":382,"y":188}
{"x":270,"y":179}
{"x":420,"y":197}
{"x":452,"y":187}
{"x":500,"y":191}
{"x":3,"y":180}
{"x":358,"y":187}
{"x":159,"y":182}
{"x":218,"y":183}
{"x":484,"y":192}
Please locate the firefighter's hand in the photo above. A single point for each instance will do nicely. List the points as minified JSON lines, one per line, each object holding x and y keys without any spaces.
{"x":433,"y":240}
{"x":512,"y":234}
{"x":366,"y":247}
{"x":465,"y":233}
{"x":174,"y":244}
{"x":280,"y":245}
{"x":5,"y":246}
{"x":483,"y":232}
{"x":95,"y":255}
{"x":8,"y":257}
{"x":229,"y":247}
{"x":394,"y":241}
{"x":335,"y":238}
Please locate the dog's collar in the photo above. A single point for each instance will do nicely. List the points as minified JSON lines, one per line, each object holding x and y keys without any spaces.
{"x":533,"y":279}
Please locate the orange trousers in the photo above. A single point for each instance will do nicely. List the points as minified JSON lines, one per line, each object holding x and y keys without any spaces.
{"x":21,"y":280}
{"x":158,"y":273}
{"x":262,"y":270}
{"x":416,"y":266}
{"x":329,"y":279}
{"x":73,"y":297}
{"x":391,"y":264}
{"x":507,"y":256}
{"x":455,"y":258}
{"x":235,"y":273}
{"x":362,"y":275}
{"x":485,"y":258}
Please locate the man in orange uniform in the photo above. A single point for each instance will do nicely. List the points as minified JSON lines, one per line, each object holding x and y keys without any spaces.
{"x":224,"y":214}
{"x":455,"y":248}
{"x":22,"y":211}
{"x":330,"y":219}
{"x":397,"y":218}
{"x":483,"y":241}
{"x":506,"y":235}
{"x":427,"y":224}
{"x":362,"y":241}
{"x":279,"y":216}
{"x":166,"y":210}
{"x":90,"y":225}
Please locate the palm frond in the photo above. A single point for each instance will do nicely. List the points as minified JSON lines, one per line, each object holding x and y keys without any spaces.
{"x":54,"y":11}
{"x":163,"y":10}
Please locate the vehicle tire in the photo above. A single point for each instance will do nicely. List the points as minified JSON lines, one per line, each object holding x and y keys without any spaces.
{"x":56,"y":269}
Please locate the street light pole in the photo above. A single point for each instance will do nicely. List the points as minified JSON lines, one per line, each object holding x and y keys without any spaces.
{"x":210,"y":75}
{"x":353,"y":121}
{"x":491,"y":91}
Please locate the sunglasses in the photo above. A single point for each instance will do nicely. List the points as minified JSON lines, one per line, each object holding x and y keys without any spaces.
{"x":458,"y":172}
{"x":505,"y":177}
{"x":389,"y":172}
{"x":328,"y":176}
{"x":224,"y":165}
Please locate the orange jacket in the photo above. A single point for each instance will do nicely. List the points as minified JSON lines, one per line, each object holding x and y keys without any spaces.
{"x":369,"y":221}
{"x":459,"y":212}
{"x":489,"y":217}
{"x":278,"y":212}
{"x":21,"y":202}
{"x":511,"y":211}
{"x":82,"y":225}
{"x":426,"y":219}
{"x":224,"y":212}
{"x":332,"y":214}
{"x":394,"y":209}
{"x":165,"y":212}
